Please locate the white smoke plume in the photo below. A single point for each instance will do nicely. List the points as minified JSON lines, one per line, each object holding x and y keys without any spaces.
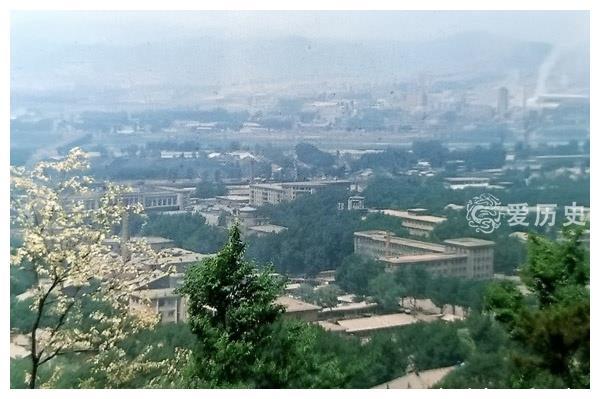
{"x":545,"y":69}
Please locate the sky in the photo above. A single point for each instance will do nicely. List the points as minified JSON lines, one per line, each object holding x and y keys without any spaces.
{"x":133,"y":27}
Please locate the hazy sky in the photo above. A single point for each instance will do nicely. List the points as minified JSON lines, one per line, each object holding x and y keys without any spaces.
{"x":558,"y":27}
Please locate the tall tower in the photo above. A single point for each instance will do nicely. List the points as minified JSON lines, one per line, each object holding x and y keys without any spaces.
{"x":502,"y":106}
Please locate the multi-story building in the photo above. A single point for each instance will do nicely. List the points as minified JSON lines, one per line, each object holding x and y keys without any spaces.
{"x":437,"y":264}
{"x":275,"y":193}
{"x":160,"y":295}
{"x":416,"y":221}
{"x":480,"y":255}
{"x":459,"y":257}
{"x":152,"y":198}
{"x":379,"y":243}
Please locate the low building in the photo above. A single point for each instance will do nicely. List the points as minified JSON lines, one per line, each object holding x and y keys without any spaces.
{"x":356,"y":203}
{"x":459,"y":183}
{"x":180,"y":259}
{"x":424,"y":379}
{"x":368,"y":325}
{"x":325,"y":277}
{"x":347,"y":310}
{"x":265,"y":230}
{"x":155,"y":243}
{"x":297,"y":309}
{"x":233,"y":201}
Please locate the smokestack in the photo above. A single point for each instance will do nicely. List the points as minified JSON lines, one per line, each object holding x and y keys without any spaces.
{"x":125,"y":237}
{"x":388,"y":238}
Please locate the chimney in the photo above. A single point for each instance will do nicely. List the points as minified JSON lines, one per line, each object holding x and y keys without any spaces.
{"x":125,"y":237}
{"x":387,"y":243}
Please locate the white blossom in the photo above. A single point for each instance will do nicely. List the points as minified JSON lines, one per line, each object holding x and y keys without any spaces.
{"x":63,"y":242}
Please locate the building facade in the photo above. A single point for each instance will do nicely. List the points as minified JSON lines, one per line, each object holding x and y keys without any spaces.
{"x":460,"y":257}
{"x":276,"y":193}
{"x":152,"y":198}
{"x":416,"y":221}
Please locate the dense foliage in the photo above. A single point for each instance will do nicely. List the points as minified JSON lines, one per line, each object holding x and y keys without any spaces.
{"x":552,"y":336}
{"x":241,"y":339}
{"x":210,"y":189}
{"x":318,"y":235}
{"x":238,"y":337}
{"x":311,"y":155}
{"x":367,"y":277}
{"x":540,"y":338}
{"x":188,"y":231}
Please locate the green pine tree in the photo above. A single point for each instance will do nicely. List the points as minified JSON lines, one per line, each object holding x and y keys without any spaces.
{"x":551,"y":335}
{"x":231,"y":308}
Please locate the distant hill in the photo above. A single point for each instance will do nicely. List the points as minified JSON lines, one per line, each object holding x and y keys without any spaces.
{"x":210,"y":60}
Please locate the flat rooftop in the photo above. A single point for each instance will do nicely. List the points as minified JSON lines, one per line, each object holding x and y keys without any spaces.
{"x":172,"y":256}
{"x":381,"y":235}
{"x":148,"y":239}
{"x":311,"y":183}
{"x":271,"y":186}
{"x":467,"y":178}
{"x":240,"y":198}
{"x":295,"y":305}
{"x":344,"y":307}
{"x":412,"y":216}
{"x":422,"y":380}
{"x":315,"y":183}
{"x":330,"y":326}
{"x":399,"y":260}
{"x":268,"y":228}
{"x":382,"y":322}
{"x":470,"y":242}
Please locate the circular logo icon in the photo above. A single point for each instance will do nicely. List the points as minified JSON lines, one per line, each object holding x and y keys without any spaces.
{"x":483,"y":213}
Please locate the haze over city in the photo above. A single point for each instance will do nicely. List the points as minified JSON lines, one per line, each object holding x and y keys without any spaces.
{"x":300,"y":199}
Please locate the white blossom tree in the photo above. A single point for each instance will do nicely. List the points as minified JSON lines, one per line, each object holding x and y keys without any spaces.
{"x":82,"y":291}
